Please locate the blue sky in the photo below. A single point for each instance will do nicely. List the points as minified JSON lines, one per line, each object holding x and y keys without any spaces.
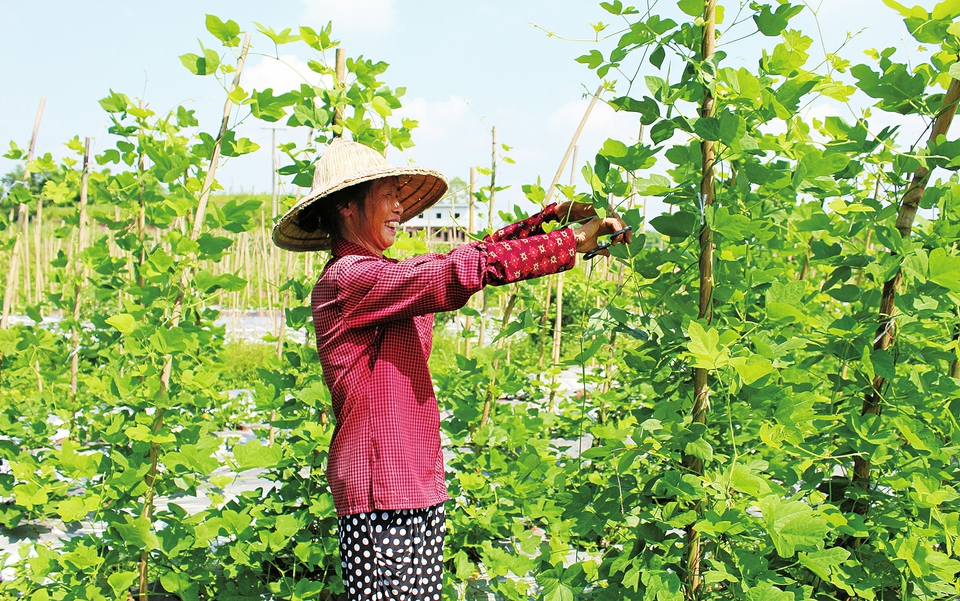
{"x":466,"y":66}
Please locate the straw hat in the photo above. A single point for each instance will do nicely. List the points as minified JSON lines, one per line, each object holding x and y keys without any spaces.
{"x":344,"y":164}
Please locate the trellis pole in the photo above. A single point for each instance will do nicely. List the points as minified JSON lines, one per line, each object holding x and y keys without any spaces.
{"x":701,"y":390}
{"x":886,"y":331}
{"x":208,"y":182}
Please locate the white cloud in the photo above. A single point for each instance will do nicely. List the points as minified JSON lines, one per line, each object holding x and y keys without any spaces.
{"x":603,"y":123}
{"x":283,"y":74}
{"x":437,"y":121}
{"x":371,"y":16}
{"x":448,"y":133}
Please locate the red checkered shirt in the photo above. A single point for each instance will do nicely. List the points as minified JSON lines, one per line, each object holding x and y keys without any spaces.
{"x":373,"y":318}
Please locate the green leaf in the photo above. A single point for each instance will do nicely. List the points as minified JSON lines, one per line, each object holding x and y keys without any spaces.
{"x":201,"y":65}
{"x":765,"y":591}
{"x":822,"y":562}
{"x":945,"y":269}
{"x":753,"y":368}
{"x":694,"y":8}
{"x":138,"y":532}
{"x":213,"y":246}
{"x":592,"y":60}
{"x":729,"y":127}
{"x":121,"y":582}
{"x":647,"y":107}
{"x":707,"y":128}
{"x":115,"y":103}
{"x":771,"y":23}
{"x":657,"y":56}
{"x":279,"y":38}
{"x":678,"y":225}
{"x":897,"y":88}
{"x":818,"y":164}
{"x":209,"y":283}
{"x":254,"y":455}
{"x":287,"y":525}
{"x":124,"y":322}
{"x":955,"y":70}
{"x":225,"y":32}
{"x":72,"y":509}
{"x":704,"y":345}
{"x":793,"y":525}
{"x":381,"y":106}
{"x":699,"y":448}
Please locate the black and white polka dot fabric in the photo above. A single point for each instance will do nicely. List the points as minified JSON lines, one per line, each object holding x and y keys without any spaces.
{"x":393,"y":554}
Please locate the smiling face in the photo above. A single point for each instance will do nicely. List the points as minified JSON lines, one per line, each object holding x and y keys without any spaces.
{"x":374,"y":226}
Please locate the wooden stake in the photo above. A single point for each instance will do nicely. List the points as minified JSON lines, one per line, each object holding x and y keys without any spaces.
{"x":886,"y":331}
{"x":493,"y":177}
{"x":13,"y":278}
{"x":701,"y":391}
{"x":557,"y":326}
{"x":488,"y":401}
{"x":78,"y":272}
{"x":472,"y":228}
{"x":151,"y":476}
{"x":570,"y":148}
{"x":339,"y":83}
{"x":24,"y":217}
{"x":38,"y":250}
{"x":36,"y":128}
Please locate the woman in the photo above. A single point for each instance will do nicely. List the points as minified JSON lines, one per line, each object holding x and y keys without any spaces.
{"x":373,"y":318}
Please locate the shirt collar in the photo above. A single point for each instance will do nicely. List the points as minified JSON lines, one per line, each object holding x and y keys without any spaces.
{"x":345,"y":248}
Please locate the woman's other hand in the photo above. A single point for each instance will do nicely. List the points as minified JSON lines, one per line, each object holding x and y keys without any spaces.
{"x":587,"y":234}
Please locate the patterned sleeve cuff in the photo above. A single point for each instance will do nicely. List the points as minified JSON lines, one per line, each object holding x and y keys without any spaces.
{"x":549,"y":212}
{"x":531,"y":226}
{"x":532,"y":257}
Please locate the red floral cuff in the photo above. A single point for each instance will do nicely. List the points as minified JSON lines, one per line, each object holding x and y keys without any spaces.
{"x":532,"y":257}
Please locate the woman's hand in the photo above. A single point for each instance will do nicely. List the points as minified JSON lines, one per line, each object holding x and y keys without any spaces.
{"x":571,"y":212}
{"x":586,"y":235}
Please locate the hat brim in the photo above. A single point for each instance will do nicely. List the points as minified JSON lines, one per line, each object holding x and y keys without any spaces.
{"x":423,"y":188}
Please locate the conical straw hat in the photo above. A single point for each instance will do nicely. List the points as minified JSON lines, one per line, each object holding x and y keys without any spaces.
{"x":344,"y":164}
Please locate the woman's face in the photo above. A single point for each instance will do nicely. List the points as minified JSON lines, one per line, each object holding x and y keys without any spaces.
{"x":375,"y":226}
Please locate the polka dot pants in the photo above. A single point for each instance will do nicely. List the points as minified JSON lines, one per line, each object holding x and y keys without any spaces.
{"x":393,"y":554}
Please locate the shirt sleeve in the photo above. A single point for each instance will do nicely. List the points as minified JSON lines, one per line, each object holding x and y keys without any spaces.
{"x":531,"y":226}
{"x":371,"y":290}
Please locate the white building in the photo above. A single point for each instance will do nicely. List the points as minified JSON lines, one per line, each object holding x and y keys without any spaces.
{"x":444,"y":221}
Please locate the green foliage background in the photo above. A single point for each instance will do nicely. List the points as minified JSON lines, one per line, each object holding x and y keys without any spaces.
{"x":805,"y":237}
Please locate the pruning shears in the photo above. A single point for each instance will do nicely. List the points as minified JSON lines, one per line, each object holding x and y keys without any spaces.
{"x":596,"y":251}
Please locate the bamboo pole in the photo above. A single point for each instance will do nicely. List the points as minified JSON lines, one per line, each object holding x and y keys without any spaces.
{"x":570,"y":148}
{"x":493,"y":185}
{"x":208,"y":182}
{"x":488,"y":401}
{"x":13,"y":278}
{"x":558,"y":324}
{"x":24,"y":217}
{"x":38,"y":250}
{"x":142,"y":213}
{"x":701,"y":390}
{"x":341,"y":76}
{"x":886,"y":331}
{"x":78,"y":271}
{"x":472,"y":228}
{"x":543,"y":321}
{"x":25,"y":214}
{"x":493,"y":177}
{"x":36,"y":128}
